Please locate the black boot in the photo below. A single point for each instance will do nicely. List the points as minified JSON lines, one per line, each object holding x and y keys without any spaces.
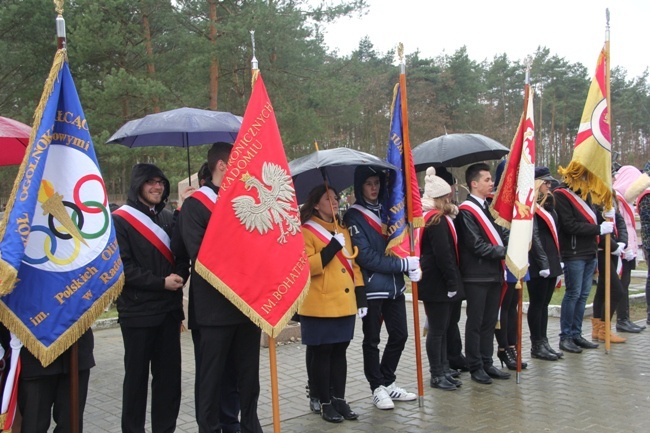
{"x":505,"y":357}
{"x":453,"y":380}
{"x":343,"y":408}
{"x":625,"y":325}
{"x":539,"y":351}
{"x":513,"y":355}
{"x":441,"y":382}
{"x":314,"y":402}
{"x":329,"y":414}
{"x":557,"y":353}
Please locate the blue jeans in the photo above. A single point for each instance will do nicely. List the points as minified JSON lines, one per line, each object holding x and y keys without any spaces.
{"x":578,"y":278}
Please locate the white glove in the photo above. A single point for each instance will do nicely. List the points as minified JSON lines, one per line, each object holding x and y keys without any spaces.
{"x":609,"y":213}
{"x":415,"y":275}
{"x":606,"y":227}
{"x":619,"y":250}
{"x":413,"y":262}
{"x":562,"y":265}
{"x":544,"y":273}
{"x":451,"y":294}
{"x":629,"y":255}
{"x":362,"y":312}
{"x":340,"y":237}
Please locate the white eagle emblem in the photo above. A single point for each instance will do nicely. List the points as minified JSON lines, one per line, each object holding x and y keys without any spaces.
{"x":276,"y":203}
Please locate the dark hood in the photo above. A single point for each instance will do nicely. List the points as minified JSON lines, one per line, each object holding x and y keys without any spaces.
{"x":363,"y":172}
{"x":140,"y":173}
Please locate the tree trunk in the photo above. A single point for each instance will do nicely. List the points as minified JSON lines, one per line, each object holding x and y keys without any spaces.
{"x":214,"y":65}
{"x":151,"y":68}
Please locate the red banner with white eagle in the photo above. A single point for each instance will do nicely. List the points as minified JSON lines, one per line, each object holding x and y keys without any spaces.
{"x":513,"y":204}
{"x":253,"y":251}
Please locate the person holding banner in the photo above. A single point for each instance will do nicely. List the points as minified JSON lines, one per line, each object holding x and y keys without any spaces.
{"x":336,"y":295}
{"x":482,"y":252}
{"x":383,"y":278}
{"x":543,"y":279}
{"x":579,"y":232}
{"x":441,"y":283}
{"x":150,"y":307}
{"x":226,"y":342}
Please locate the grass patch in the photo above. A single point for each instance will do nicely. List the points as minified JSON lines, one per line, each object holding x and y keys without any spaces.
{"x":109,"y":314}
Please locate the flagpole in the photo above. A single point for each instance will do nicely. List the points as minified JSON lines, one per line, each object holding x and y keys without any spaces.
{"x":74,"y":349}
{"x":273,"y":359}
{"x":409,"y":218}
{"x":608,"y":257}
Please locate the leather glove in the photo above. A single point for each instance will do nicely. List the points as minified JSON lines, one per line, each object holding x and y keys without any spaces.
{"x":606,"y":227}
{"x":609,"y":213}
{"x":544,"y":273}
{"x":340,"y":237}
{"x":415,"y":275}
{"x":619,"y":250}
{"x":362,"y":312}
{"x":451,"y":294}
{"x":413,"y":262}
{"x":629,"y":255}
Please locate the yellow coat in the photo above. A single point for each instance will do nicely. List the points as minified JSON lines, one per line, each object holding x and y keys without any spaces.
{"x":331,"y":293}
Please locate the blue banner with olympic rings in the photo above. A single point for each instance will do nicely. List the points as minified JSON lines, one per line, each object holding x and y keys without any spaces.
{"x":60,"y":265}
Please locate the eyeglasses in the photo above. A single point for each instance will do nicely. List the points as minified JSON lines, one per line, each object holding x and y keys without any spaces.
{"x":547,"y":182}
{"x":152,"y":182}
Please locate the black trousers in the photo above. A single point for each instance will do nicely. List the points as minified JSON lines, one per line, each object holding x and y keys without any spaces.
{"x":506,"y":335}
{"x":160,"y":348}
{"x":392,"y":312}
{"x":454,"y":340}
{"x":615,"y":288}
{"x":540,"y":292}
{"x":328,"y":370}
{"x":482,"y":311}
{"x":46,"y":397}
{"x":439,"y":314}
{"x":229,"y":409}
{"x":623,"y":309}
{"x":217,"y":345}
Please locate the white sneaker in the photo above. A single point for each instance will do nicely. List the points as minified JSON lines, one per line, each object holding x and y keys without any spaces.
{"x":381,"y":399}
{"x":398,"y":394}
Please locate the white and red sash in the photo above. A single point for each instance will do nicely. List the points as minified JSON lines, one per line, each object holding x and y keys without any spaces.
{"x":579,"y":204}
{"x":550,"y":222}
{"x":481,"y":217}
{"x":326,"y":237}
{"x":372,"y":219}
{"x":452,"y":228}
{"x":205,"y":195}
{"x":630,"y":223}
{"x":147,"y":228}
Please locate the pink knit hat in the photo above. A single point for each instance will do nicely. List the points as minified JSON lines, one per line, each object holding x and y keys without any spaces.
{"x":625,"y":176}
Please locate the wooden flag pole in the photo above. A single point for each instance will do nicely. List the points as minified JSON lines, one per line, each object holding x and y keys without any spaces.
{"x":74,"y":349}
{"x":273,"y":360}
{"x":608,"y":256}
{"x":409,"y":212}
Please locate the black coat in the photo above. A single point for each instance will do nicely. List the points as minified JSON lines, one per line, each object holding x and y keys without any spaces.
{"x":207,"y":306}
{"x":577,"y":234}
{"x":480,"y":261}
{"x":144,"y":301}
{"x":548,"y":249}
{"x":438,"y":260}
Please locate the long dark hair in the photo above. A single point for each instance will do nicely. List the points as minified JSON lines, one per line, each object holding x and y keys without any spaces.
{"x":307,"y":210}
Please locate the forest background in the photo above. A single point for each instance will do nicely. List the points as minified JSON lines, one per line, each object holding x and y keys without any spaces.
{"x":130,"y":58}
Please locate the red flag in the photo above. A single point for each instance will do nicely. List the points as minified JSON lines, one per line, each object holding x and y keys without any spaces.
{"x":253,"y":250}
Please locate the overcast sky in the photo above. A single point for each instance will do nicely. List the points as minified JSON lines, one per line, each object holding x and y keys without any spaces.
{"x":572,"y":29}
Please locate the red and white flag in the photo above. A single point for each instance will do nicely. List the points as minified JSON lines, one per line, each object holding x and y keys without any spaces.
{"x":513,"y":205}
{"x":253,"y":250}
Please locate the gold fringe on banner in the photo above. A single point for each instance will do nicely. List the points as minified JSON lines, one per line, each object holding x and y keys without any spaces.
{"x":225,"y":290}
{"x":583,"y":181}
{"x":8,"y":273}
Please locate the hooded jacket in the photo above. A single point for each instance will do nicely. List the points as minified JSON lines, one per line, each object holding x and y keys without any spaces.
{"x":144,"y":301}
{"x":383,"y":275}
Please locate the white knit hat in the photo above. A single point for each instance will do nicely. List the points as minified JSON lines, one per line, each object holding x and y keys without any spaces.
{"x":435,"y":186}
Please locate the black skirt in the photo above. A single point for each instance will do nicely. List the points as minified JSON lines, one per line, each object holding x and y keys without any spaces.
{"x":326,"y":330}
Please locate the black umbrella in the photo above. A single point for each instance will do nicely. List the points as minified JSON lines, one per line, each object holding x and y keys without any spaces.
{"x":182,"y":127}
{"x":456,"y":150}
{"x":334,"y":165}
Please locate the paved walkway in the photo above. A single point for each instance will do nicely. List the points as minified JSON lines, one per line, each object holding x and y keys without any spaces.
{"x":592,"y":391}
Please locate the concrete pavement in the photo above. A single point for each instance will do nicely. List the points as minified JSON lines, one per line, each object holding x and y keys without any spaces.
{"x":592,"y":391}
